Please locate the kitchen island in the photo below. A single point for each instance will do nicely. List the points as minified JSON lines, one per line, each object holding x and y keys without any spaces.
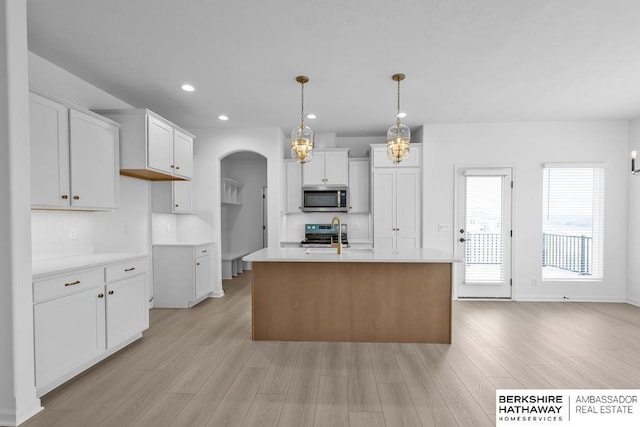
{"x":361,"y":295}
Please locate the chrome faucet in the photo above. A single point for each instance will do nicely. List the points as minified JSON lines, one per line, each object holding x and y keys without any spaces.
{"x":339,"y":245}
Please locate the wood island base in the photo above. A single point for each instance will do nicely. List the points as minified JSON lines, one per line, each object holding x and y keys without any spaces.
{"x":351,"y":301}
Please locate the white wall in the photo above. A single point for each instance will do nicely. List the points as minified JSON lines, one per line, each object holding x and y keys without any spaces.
{"x":633,"y":223}
{"x":526,"y":146}
{"x":210,"y":147}
{"x":17,"y":386}
{"x":242,"y":224}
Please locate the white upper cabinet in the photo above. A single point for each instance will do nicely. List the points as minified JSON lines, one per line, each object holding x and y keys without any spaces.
{"x":182,"y":197}
{"x":159,"y":145}
{"x":74,"y":156}
{"x":94,"y":162}
{"x":358,"y":185}
{"x":172,"y":197}
{"x":49,"y":122}
{"x":293,"y":191}
{"x":380,"y":159}
{"x":328,"y":167}
{"x":152,"y":147}
{"x":182,"y":154}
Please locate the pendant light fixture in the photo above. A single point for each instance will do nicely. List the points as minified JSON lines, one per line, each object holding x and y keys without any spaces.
{"x":302,"y":136}
{"x":398,"y":135}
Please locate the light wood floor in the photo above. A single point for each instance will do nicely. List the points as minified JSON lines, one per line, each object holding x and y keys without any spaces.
{"x":199,"y":367}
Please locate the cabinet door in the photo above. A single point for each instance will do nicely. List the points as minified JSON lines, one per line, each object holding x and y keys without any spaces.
{"x":182,"y":202}
{"x":94,"y":162}
{"x":313,"y":171}
{"x":358,"y":186}
{"x":408,"y":209}
{"x":293,"y":193}
{"x":49,"y":126}
{"x":384,"y":208}
{"x":159,"y":145}
{"x":204,"y":282}
{"x":336,"y":168}
{"x":127,"y":313}
{"x":182,"y":154}
{"x":68,"y":332}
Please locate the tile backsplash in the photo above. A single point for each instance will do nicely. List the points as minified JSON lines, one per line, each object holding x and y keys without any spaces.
{"x":60,"y":234}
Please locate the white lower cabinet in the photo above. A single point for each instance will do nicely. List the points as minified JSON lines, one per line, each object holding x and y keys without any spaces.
{"x":79,"y":319}
{"x":204,"y":283}
{"x":69,"y":332}
{"x":126,"y":309}
{"x":182,"y":274}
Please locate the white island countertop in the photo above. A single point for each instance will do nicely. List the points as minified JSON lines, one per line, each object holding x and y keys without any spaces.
{"x":422,"y":255}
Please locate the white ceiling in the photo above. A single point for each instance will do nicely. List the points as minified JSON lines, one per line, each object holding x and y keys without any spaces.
{"x":465,"y":60}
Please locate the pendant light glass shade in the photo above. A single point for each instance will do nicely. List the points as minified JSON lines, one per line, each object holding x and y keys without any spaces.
{"x":302,"y":144}
{"x":398,"y":135}
{"x":302,"y":136}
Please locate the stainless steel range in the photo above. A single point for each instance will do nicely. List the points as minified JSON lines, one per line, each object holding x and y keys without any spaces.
{"x":322,"y":235}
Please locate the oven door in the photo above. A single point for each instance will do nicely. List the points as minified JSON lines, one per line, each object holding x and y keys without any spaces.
{"x":323,"y":200}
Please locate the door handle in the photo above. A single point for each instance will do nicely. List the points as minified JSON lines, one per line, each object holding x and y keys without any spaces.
{"x":462,"y":239}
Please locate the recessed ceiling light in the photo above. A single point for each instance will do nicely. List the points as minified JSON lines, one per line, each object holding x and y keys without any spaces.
{"x":187,"y":87}
{"x":223,"y":117}
{"x":401,"y":115}
{"x":311,"y":116}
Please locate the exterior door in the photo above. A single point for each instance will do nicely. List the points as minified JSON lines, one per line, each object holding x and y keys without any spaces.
{"x":483,"y":234}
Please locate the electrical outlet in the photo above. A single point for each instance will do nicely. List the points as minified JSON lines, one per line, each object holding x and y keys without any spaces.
{"x":443,"y":228}
{"x":73,"y":233}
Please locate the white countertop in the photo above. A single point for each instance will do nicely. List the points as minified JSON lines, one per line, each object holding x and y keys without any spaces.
{"x":423,"y":255}
{"x":62,"y":265}
{"x":183,"y":243}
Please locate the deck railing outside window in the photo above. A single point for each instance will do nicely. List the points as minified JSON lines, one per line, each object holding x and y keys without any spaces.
{"x":571,"y":253}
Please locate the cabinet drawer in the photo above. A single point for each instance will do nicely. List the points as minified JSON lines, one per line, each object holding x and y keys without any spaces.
{"x":127,"y":269}
{"x":67,"y":284}
{"x":203,"y":250}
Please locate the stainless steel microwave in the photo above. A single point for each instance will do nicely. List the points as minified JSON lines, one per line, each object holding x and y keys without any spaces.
{"x":325,"y":199}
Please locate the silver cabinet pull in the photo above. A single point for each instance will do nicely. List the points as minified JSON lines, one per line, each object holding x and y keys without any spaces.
{"x":77,"y":282}
{"x":129,"y":269}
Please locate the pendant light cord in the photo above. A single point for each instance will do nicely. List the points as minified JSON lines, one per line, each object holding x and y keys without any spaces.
{"x":398,"y":114}
{"x":302,"y":106}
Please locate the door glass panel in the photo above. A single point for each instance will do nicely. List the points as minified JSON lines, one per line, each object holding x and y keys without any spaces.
{"x":483,"y":230}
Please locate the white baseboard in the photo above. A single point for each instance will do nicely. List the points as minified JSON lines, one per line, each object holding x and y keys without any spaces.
{"x":634,"y":301}
{"x":217,"y":294}
{"x":15,"y":418}
{"x":575,"y":298}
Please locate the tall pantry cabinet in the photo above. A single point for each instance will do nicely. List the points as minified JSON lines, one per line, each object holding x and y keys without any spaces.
{"x":396,"y":192}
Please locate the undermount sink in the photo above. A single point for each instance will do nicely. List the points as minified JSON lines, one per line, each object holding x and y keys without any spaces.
{"x":310,"y":251}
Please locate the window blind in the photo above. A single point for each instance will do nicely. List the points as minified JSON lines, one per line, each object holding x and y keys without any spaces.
{"x":572,"y":223}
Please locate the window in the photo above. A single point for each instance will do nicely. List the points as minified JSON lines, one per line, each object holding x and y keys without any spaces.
{"x":573,"y":222}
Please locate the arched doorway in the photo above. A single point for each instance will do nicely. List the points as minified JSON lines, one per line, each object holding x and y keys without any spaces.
{"x":243,"y":226}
